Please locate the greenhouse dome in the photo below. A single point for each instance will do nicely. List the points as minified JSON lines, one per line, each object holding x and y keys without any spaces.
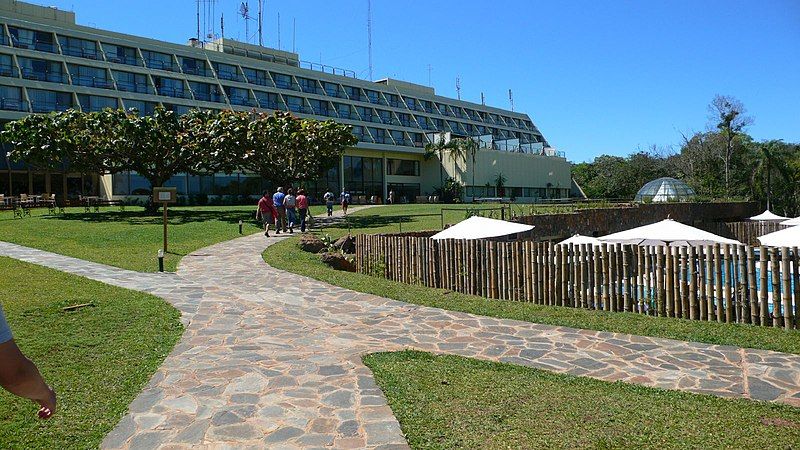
{"x":665,"y":190}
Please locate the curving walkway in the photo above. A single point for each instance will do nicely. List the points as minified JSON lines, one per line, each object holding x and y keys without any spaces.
{"x":273,"y":359}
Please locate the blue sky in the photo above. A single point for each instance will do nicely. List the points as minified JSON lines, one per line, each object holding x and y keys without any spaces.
{"x":596,"y":77}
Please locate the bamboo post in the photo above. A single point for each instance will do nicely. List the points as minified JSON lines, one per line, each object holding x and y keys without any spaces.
{"x":611,"y":269}
{"x":752,"y":284}
{"x":597,"y":278}
{"x":787,"y":289}
{"x":762,"y":288}
{"x":775,"y":271}
{"x":581,"y":276}
{"x":691,"y":274}
{"x":492,"y":288}
{"x":729,"y":281}
{"x":705,"y":283}
{"x":604,"y":261}
{"x":718,"y":283}
{"x":669,"y":283}
{"x":796,"y":281}
{"x":640,"y":277}
{"x":649,"y":272}
{"x":743,"y":292}
{"x":660,"y":283}
{"x":626,"y":276}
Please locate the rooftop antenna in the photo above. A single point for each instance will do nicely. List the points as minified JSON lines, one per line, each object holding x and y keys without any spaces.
{"x":369,"y":36}
{"x":429,"y":75}
{"x":198,"y":19}
{"x":294,"y":31}
{"x":483,"y":99}
{"x":222,"y":25}
{"x":279,"y":31}
{"x":458,"y":87}
{"x":260,"y":23}
{"x":511,"y":99}
{"x":244,"y":11}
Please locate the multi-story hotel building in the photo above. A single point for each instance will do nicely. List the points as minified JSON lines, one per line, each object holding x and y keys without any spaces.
{"x":49,"y":63}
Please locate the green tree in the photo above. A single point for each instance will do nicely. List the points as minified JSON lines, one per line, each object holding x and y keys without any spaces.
{"x":728,"y":116}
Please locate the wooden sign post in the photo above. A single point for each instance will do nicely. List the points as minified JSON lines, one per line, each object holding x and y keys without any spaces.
{"x":165,"y":196}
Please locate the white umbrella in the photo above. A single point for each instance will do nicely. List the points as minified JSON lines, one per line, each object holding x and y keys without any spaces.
{"x":477,"y":227}
{"x":667,"y":232}
{"x":795,"y":221}
{"x":788,"y":237}
{"x":768,"y":215}
{"x":579,"y":239}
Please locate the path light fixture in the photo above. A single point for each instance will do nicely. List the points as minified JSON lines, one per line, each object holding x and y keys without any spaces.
{"x":161,"y":260}
{"x":240,"y":226}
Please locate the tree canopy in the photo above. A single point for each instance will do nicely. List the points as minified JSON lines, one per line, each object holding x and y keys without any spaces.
{"x":280,"y":147}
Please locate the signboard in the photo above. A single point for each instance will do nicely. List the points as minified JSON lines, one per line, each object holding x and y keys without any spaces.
{"x":165,"y":195}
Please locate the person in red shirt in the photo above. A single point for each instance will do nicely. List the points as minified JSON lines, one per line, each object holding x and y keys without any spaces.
{"x":302,"y":208}
{"x":266,"y":211}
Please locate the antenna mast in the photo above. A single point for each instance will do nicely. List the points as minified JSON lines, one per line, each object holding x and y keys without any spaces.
{"x":222,"y":25}
{"x":294,"y":35}
{"x":458,"y":87}
{"x":511,"y":99}
{"x":369,"y":36}
{"x":279,"y":31}
{"x":483,"y":99}
{"x":198,"y":20}
{"x":244,"y":11}
{"x":429,"y":75}
{"x":260,"y":22}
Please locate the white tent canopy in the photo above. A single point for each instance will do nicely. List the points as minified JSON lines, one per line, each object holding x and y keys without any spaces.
{"x":666,"y":232}
{"x":579,"y":239}
{"x":788,"y":237}
{"x":477,"y":227}
{"x":768,"y":215}
{"x":791,"y":222}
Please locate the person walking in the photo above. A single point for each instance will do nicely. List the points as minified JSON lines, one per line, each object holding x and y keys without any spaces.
{"x":290,"y":203}
{"x":329,"y":202}
{"x":302,"y":208}
{"x":266,"y":211}
{"x":20,"y":376}
{"x":280,"y":215}
{"x":345,"y":199}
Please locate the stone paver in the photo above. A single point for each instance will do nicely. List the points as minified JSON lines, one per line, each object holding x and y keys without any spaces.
{"x":273,"y":359}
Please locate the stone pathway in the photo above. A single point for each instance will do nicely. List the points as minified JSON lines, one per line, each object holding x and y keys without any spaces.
{"x":273,"y":359}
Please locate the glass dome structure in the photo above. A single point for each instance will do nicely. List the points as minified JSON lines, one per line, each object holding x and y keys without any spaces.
{"x":665,"y":190}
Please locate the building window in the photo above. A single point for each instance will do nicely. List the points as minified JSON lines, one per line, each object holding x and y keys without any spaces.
{"x":143,"y":108}
{"x":193,"y":66}
{"x":132,"y":82}
{"x":238,"y":96}
{"x":121,"y":55}
{"x":32,"y":40}
{"x":205,"y":92}
{"x":363,"y":176}
{"x":269,"y":100}
{"x":41,"y":70}
{"x":81,"y":48}
{"x":404,"y":192}
{"x":169,"y":87}
{"x":283,"y":81}
{"x":307,"y":85}
{"x":89,"y":76}
{"x":7,"y":68}
{"x":227,"y":72}
{"x":10,"y":98}
{"x":157,"y":60}
{"x":91,"y":103}
{"x":255,"y":76}
{"x":46,"y":101}
{"x":403,"y":167}
{"x":294,"y":103}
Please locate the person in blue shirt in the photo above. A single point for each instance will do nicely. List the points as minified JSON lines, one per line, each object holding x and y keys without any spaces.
{"x":277,"y":202}
{"x":20,"y":376}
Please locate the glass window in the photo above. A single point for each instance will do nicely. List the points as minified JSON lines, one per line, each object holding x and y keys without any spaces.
{"x":226,"y":184}
{"x":294,"y":103}
{"x":89,"y":76}
{"x":269,"y":100}
{"x":227,"y":72}
{"x":10,"y":98}
{"x":41,"y":70}
{"x":132,"y":82}
{"x":47,"y":101}
{"x":120,"y":183}
{"x":169,"y":87}
{"x":193,"y":66}
{"x":139,"y":185}
{"x":307,"y":85}
{"x":205,"y":91}
{"x":33,"y":40}
{"x":96,"y":103}
{"x":121,"y":55}
{"x":256,"y":76}
{"x":7,"y":68}
{"x":143,"y":108}
{"x":238,"y":96}
{"x":81,"y":48}
{"x":332,"y":89}
{"x":283,"y":81}
{"x":157,"y":60}
{"x":404,"y":167}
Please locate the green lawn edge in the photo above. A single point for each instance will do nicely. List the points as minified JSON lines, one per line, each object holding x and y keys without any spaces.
{"x":286,"y":255}
{"x":97,"y":358}
{"x":450,"y":401}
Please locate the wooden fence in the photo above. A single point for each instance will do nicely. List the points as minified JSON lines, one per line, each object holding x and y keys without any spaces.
{"x":746,"y":232}
{"x":723,"y":283}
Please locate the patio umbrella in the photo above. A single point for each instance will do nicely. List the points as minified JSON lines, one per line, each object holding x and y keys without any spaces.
{"x":666,"y":232}
{"x":788,"y":237}
{"x":477,"y":227}
{"x":767,"y":215}
{"x":579,"y":239}
{"x":795,"y":221}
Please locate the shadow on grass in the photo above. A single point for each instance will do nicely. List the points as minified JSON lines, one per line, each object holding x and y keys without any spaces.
{"x":176,"y":217}
{"x":374,"y":221}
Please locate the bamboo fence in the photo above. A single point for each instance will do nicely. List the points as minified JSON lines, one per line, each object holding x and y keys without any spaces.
{"x":722,"y":283}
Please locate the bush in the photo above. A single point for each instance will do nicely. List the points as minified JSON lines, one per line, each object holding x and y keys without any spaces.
{"x":451,"y":192}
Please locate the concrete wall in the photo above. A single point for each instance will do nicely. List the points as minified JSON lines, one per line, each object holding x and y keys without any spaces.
{"x":602,"y":221}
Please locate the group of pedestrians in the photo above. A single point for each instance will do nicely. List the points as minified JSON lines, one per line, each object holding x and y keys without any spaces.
{"x":344,"y":201}
{"x":283,"y":210}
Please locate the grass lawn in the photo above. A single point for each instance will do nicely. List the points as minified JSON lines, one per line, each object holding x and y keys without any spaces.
{"x":457,"y":402}
{"x":129,"y":239}
{"x":96,"y":358}
{"x":286,"y":255}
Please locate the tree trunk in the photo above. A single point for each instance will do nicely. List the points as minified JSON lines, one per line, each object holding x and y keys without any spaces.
{"x":151,"y":207}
